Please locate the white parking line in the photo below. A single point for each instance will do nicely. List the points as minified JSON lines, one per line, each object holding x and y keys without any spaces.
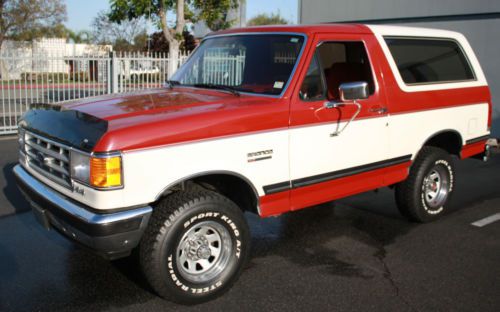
{"x":487,"y":220}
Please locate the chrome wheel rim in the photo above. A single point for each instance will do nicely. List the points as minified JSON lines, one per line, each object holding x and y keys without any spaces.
{"x":436,"y":187}
{"x":204,"y":251}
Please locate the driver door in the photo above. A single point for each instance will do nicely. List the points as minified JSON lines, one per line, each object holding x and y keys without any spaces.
{"x":325,"y":164}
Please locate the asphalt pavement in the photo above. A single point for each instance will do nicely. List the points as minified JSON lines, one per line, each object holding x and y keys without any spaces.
{"x":356,"y":255}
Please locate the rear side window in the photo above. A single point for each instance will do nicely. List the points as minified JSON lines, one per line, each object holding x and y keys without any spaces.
{"x":423,"y":61}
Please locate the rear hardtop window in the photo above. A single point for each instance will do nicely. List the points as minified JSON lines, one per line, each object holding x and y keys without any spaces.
{"x":429,"y":60}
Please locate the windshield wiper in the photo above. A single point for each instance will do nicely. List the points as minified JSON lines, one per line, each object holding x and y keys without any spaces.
{"x":172,"y":83}
{"x":231,"y":89}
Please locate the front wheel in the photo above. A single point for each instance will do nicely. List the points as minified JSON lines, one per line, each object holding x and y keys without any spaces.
{"x":195,"y":246}
{"x":425,"y":194}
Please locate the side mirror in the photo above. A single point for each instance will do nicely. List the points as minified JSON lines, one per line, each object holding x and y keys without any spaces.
{"x":352,"y":91}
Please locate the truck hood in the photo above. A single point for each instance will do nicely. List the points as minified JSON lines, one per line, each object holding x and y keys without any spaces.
{"x":147,"y":102}
{"x":152,"y":118}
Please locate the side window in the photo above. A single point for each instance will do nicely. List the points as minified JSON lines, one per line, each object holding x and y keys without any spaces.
{"x":345,"y":62}
{"x":333,"y":64}
{"x":312,"y":88}
{"x":425,"y":60}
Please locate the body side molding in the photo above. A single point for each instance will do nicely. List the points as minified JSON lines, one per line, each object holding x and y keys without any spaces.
{"x":284,"y":186}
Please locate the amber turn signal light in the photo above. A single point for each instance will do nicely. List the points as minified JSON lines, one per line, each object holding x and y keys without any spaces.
{"x":106,"y":172}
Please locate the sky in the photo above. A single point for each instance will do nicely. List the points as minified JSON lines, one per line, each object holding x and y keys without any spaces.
{"x":82,"y":12}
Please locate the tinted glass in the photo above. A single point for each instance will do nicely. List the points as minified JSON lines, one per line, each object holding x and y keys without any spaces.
{"x":249,"y":63}
{"x":312,"y":87}
{"x":429,"y":60}
{"x":344,"y":62}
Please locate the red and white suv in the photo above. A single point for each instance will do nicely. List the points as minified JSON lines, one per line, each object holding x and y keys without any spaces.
{"x":267,"y":120}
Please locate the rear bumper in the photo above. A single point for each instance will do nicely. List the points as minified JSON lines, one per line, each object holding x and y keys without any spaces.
{"x":112,"y":235}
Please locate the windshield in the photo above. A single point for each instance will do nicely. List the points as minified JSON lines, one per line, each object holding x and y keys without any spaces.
{"x":248,"y":63}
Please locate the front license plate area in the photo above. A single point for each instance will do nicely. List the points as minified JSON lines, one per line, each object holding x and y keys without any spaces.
{"x":40,"y":215}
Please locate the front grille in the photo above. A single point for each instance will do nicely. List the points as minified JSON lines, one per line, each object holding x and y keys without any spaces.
{"x":48,"y":158}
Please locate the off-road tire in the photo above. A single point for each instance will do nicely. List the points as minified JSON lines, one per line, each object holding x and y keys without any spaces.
{"x":173,"y":218}
{"x":411,"y":197}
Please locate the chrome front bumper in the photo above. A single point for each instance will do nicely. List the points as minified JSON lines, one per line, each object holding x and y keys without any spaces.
{"x":113,"y":235}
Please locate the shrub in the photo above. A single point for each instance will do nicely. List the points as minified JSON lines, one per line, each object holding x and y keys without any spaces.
{"x":81,"y":76}
{"x":44,"y":76}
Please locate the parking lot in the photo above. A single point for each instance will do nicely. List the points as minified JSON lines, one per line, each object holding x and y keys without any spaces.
{"x":358,"y":254}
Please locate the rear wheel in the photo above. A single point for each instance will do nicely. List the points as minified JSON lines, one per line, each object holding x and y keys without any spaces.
{"x":195,"y":246}
{"x":424,"y":195}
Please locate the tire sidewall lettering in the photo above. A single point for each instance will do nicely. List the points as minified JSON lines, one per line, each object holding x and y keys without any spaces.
{"x":192,"y":220}
{"x":186,"y":288}
{"x":447,"y":165}
{"x":444,"y":163}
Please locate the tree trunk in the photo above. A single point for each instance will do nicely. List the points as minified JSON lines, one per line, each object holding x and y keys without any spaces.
{"x":173,"y":39}
{"x":173,"y":57}
{"x":4,"y":73}
{"x":2,"y":38}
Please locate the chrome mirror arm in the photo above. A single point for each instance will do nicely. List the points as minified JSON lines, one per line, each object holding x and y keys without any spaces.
{"x":332,"y":104}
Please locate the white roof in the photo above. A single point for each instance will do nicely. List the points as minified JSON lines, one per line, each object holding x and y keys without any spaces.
{"x":385,"y":30}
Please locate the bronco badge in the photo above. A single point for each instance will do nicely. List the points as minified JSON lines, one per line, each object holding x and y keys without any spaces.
{"x":262,"y":155}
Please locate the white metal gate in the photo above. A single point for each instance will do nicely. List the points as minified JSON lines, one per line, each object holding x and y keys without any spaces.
{"x":26,"y":79}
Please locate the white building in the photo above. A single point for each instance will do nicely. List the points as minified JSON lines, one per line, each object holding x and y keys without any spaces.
{"x":46,"y":55}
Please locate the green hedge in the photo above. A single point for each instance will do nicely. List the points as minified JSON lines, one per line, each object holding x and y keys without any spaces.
{"x":57,"y":77}
{"x":48,"y":77}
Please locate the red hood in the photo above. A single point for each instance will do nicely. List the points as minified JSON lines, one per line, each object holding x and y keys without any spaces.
{"x":148,"y":102}
{"x":151,"y":118}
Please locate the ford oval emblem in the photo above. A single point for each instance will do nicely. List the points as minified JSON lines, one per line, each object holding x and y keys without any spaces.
{"x":40,"y":157}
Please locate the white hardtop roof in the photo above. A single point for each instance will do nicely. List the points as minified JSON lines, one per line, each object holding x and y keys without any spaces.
{"x":385,"y":30}
{"x":380,"y":31}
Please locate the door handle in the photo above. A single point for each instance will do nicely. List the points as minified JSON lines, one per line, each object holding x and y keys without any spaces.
{"x":378,"y":110}
{"x":333,"y":104}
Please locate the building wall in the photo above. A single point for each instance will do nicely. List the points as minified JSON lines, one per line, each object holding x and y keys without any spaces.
{"x":478,"y":20}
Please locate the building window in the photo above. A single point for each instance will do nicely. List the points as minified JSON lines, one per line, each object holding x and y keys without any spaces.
{"x":426,"y":60}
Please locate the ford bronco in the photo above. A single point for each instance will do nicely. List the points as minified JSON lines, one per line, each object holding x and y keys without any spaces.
{"x":264,"y":120}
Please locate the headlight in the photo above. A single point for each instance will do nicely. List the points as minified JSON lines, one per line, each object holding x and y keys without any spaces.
{"x":80,"y":167}
{"x":96,"y":170}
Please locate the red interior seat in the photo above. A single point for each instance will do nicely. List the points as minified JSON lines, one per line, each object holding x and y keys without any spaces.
{"x":340,"y":73}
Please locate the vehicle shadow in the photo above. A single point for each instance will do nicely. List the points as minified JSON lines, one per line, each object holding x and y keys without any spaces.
{"x":476,"y":182}
{"x":11,"y":192}
{"x":336,"y":239}
{"x":8,"y":269}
